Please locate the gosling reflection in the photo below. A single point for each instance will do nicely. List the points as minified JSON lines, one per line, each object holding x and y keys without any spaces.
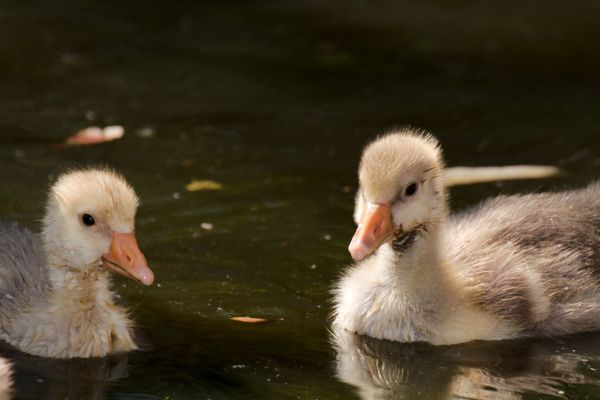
{"x":488,"y":370}
{"x":6,"y":382}
{"x":58,"y":379}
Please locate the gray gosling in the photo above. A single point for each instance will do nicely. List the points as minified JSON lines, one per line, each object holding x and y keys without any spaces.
{"x":55,"y":296}
{"x":514,"y":266}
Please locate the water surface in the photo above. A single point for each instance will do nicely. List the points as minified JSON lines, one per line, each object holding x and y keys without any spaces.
{"x":275,"y":101}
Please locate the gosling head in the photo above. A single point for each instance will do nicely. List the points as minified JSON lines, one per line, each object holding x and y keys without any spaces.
{"x":90,"y":223}
{"x":401,"y":191}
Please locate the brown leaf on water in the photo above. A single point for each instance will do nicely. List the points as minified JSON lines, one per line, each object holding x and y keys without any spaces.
{"x":96,"y":135}
{"x":196,"y":185}
{"x":249,"y":320}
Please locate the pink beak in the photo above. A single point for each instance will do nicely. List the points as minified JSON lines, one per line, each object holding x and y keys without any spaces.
{"x":125,"y":257}
{"x":374,"y":228}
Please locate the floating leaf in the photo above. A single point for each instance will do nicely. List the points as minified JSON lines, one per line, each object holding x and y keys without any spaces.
{"x":203,"y":185}
{"x":248,"y":320}
{"x":95,"y":135}
{"x":207,"y":226}
{"x":456,"y":176}
{"x":146,"y":133}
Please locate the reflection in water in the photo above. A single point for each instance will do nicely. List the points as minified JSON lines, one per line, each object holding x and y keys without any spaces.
{"x":483,"y":370}
{"x":6,"y":371}
{"x":54,"y":379}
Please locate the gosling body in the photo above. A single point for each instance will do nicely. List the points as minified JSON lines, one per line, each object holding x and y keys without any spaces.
{"x":515,"y":266}
{"x":55,"y":295}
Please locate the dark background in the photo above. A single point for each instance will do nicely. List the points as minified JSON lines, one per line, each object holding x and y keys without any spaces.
{"x":275,"y":100}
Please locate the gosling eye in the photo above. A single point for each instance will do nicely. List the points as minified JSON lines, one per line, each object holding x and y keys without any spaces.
{"x":411,"y":189}
{"x":88,"y":220}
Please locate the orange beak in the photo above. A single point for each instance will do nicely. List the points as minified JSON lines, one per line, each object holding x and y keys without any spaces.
{"x":375,"y":227}
{"x":125,"y":257}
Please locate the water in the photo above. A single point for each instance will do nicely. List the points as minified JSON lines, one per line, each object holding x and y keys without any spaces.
{"x":275,"y":101}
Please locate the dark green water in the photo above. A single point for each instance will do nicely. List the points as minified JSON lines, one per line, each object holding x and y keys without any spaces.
{"x":275,"y":100}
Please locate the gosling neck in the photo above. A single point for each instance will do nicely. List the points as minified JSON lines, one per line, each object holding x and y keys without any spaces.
{"x":75,"y":282}
{"x":64,"y":276}
{"x":414,"y":250}
{"x":417,"y":255}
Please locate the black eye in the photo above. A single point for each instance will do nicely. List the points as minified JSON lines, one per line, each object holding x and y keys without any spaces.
{"x":411,"y":189}
{"x":88,"y":220}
